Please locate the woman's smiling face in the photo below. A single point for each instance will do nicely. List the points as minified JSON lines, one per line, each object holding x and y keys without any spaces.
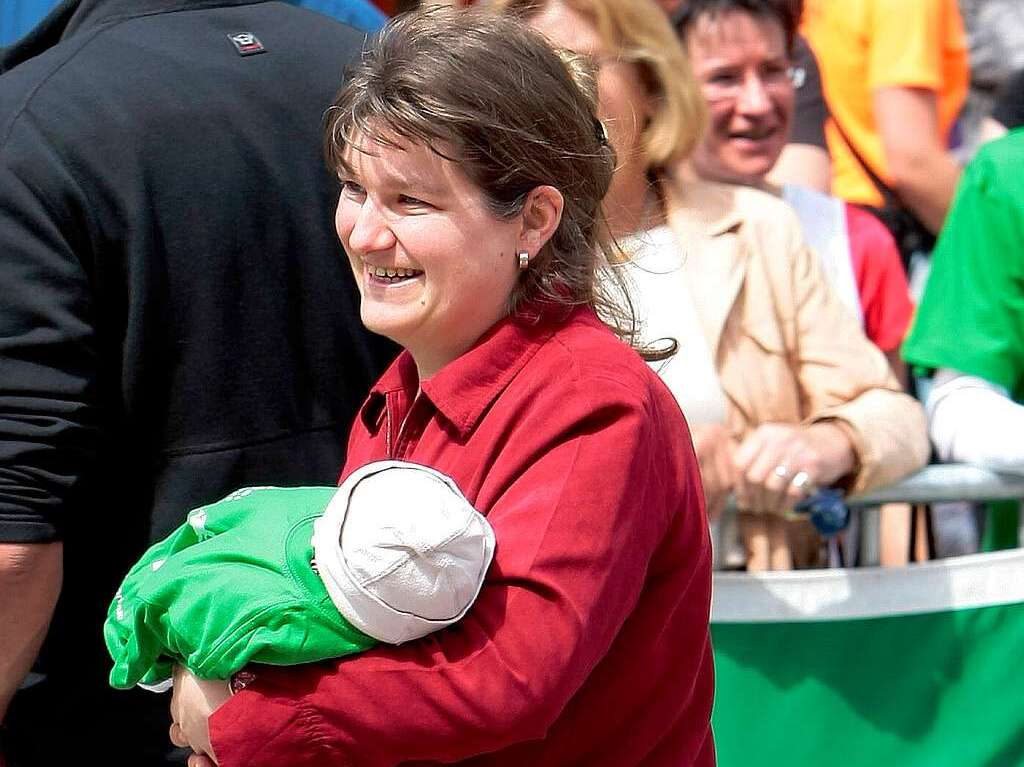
{"x":743,"y":68}
{"x":435,"y":267}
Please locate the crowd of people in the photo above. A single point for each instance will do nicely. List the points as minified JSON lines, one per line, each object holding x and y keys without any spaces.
{"x":515,"y":315}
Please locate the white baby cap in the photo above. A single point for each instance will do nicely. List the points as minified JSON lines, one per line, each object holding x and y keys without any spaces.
{"x":401,"y":551}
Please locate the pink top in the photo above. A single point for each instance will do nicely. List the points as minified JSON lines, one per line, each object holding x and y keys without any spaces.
{"x":881,"y":280}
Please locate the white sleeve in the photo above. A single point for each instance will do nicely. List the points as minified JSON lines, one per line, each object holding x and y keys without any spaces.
{"x":972,"y":420}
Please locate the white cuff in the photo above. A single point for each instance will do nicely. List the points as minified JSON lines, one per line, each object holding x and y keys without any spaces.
{"x":971,"y":420}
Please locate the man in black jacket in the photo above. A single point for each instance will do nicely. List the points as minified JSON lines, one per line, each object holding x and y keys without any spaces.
{"x":176,"y":320}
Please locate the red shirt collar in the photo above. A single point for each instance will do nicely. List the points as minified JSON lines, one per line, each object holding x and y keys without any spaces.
{"x":464,"y":388}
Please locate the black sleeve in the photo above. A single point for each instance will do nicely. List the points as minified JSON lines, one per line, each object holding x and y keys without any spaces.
{"x":811,"y":112}
{"x":47,"y":351}
{"x":1009,"y":108}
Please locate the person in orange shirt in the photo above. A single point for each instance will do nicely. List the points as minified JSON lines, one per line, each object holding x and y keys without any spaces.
{"x":895,"y":76}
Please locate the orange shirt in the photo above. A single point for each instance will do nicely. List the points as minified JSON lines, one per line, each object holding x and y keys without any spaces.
{"x":862,"y":45}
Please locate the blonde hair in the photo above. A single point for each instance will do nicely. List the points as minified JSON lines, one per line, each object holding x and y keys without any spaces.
{"x":639,"y":31}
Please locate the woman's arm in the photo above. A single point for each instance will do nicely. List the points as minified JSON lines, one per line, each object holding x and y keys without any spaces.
{"x":972,"y":420}
{"x":921,"y":171}
{"x":845,"y":379}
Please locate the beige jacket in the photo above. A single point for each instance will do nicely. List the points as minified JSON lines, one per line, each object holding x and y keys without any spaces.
{"x":786,"y":349}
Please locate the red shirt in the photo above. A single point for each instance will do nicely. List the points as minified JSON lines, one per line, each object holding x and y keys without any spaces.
{"x":881,"y":281}
{"x":588,"y":644}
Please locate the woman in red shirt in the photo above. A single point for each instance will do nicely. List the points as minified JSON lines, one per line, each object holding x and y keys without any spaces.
{"x":473,"y":168}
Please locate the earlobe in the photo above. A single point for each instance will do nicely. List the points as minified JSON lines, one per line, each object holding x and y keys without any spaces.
{"x":542,"y":212}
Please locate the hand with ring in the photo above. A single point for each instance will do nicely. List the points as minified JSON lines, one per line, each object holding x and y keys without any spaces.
{"x":778,"y":465}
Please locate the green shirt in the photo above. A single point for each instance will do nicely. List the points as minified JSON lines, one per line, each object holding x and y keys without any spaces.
{"x":233,"y":585}
{"x":971,"y":317}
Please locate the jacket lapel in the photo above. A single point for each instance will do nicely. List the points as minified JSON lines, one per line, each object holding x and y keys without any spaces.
{"x":704,"y":219}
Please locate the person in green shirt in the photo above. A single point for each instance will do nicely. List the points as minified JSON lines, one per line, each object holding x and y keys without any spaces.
{"x":284,"y":576}
{"x":969,"y":326}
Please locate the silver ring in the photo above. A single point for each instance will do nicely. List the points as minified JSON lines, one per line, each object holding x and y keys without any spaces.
{"x":801,"y":481}
{"x":781,"y":471}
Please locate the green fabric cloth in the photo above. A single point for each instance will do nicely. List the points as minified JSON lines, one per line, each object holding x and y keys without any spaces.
{"x":916,"y":666}
{"x":971,"y":316}
{"x":934,"y":690}
{"x":1002,"y":526}
{"x":232,"y":585}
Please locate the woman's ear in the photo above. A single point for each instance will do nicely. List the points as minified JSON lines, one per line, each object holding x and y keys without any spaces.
{"x":542,"y":213}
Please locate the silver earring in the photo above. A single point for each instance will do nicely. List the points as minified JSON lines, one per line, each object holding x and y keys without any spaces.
{"x":524,"y":260}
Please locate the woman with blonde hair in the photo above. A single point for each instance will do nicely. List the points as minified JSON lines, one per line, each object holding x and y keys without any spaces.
{"x":782,"y":390}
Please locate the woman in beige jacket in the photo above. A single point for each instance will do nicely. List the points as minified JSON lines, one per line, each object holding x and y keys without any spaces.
{"x":782,"y":389}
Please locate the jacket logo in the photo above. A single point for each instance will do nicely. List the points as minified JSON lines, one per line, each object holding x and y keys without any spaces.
{"x":246,"y":43}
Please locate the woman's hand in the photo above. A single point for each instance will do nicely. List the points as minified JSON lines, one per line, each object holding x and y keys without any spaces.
{"x":192,"y":703}
{"x":715,"y":447}
{"x":779,"y":464}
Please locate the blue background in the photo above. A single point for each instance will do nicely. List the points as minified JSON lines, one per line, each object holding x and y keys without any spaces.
{"x":19,"y":16}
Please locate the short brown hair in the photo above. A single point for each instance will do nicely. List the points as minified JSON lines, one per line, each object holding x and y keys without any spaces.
{"x":492,"y":93}
{"x":786,"y":13}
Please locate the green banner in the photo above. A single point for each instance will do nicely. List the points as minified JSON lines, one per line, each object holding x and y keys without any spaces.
{"x":920,"y":666}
